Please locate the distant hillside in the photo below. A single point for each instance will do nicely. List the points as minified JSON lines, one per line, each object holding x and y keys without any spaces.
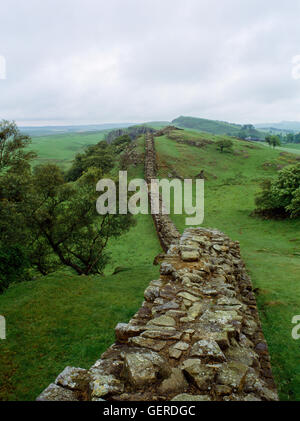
{"x":156,"y":124}
{"x":283,"y":126}
{"x":218,"y":127}
{"x":54,"y":130}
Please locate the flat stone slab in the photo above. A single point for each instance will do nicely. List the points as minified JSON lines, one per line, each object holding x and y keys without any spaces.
{"x":188,"y":296}
{"x":161,"y":333}
{"x":182,"y":346}
{"x":190,"y":256}
{"x":162,"y":321}
{"x":155,"y":345}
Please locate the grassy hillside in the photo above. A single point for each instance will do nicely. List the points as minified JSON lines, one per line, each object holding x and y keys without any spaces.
{"x":290,"y":148}
{"x":295,"y":146}
{"x":213,"y":126}
{"x":62,"y":148}
{"x":34,"y":131}
{"x":269,"y":248}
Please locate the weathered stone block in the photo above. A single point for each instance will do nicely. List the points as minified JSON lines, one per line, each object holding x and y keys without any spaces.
{"x":190,"y":256}
{"x":57,"y":393}
{"x":101,"y":385}
{"x":208,"y":350}
{"x":162,"y":321}
{"x":141,"y":368}
{"x":200,"y":374}
{"x":73,"y":378}
{"x":176,"y":383}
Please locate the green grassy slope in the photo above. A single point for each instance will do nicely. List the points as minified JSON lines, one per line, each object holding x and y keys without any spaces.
{"x":286,"y":147}
{"x":293,"y":146}
{"x":270,"y":248}
{"x":212,"y":126}
{"x":61,"y":149}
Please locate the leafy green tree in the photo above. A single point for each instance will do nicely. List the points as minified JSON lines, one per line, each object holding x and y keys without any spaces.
{"x":242,"y":134}
{"x":273,"y":140}
{"x":281,"y":197}
{"x":99,"y":156}
{"x":121,"y":142}
{"x":224,"y":144}
{"x":290,"y":138}
{"x":14,"y":182}
{"x":66,"y":228}
{"x":12,"y":147}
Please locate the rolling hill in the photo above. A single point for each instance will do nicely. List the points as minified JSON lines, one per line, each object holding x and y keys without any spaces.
{"x":217,"y":127}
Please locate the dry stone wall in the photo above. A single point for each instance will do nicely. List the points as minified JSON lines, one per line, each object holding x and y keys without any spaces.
{"x":196,"y":337}
{"x":165,"y":228}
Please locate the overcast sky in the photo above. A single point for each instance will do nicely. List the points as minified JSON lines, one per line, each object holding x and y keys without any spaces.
{"x":96,"y":61}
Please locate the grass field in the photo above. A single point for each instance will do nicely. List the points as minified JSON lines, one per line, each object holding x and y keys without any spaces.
{"x":64,"y":319}
{"x":61,"y":149}
{"x":291,"y":148}
{"x":269,"y":248}
{"x":295,"y":146}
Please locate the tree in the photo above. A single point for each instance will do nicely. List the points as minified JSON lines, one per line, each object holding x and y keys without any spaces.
{"x":14,"y":172}
{"x":12,"y":147}
{"x":224,"y":144}
{"x":273,"y":140}
{"x":290,"y":138}
{"x":66,"y":227}
{"x":121,"y":142}
{"x":281,"y":197}
{"x":99,"y":156}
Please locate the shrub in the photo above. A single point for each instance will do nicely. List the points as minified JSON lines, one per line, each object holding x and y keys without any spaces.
{"x":224,"y":144}
{"x":281,"y":196}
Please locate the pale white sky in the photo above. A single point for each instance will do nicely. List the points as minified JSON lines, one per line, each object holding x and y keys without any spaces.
{"x":96,"y":61}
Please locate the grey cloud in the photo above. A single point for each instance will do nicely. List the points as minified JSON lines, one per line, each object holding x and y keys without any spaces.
{"x":134,"y":60}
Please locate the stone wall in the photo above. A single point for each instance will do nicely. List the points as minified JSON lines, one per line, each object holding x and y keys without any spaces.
{"x":165,"y":227}
{"x":196,"y":336}
{"x":133,"y":132}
